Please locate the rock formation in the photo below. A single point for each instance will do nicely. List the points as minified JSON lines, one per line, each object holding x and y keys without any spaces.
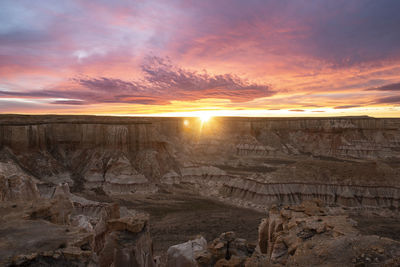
{"x":309,"y":234}
{"x":15,"y":185}
{"x":312,"y":235}
{"x":185,"y":255}
{"x":254,"y":162}
{"x":67,"y":230}
{"x":50,"y":166}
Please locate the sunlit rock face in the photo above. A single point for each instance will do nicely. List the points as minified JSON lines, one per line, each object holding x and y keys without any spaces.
{"x":253,"y":162}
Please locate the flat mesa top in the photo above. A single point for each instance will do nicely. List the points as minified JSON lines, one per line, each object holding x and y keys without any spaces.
{"x":15,"y":119}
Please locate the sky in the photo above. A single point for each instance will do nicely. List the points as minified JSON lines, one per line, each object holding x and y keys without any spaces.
{"x":185,"y":58}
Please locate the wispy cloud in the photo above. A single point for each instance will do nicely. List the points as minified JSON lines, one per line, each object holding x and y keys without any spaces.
{"x":162,"y":82}
{"x":181,"y":84}
{"x":387,"y":87}
{"x":347,"y":106}
{"x":389,"y":100}
{"x":257,"y":54}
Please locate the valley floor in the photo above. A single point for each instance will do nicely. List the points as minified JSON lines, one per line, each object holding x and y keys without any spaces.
{"x":179,"y":216}
{"x":176,"y":217}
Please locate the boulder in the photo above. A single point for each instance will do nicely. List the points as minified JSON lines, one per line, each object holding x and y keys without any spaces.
{"x":185,"y":254}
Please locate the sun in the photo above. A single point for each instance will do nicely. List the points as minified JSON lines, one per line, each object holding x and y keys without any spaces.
{"x":205,"y":118}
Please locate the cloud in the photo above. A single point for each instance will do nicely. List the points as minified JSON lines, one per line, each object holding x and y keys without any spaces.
{"x":107,"y":84}
{"x":389,"y":100}
{"x":69,"y":102}
{"x":162,"y":82}
{"x":308,"y":54}
{"x":347,"y":106}
{"x":340,"y":34}
{"x":387,"y":87}
{"x":183,"y":84}
{"x":297,"y":110}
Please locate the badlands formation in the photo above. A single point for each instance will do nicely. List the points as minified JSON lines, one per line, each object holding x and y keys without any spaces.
{"x":118,"y":191}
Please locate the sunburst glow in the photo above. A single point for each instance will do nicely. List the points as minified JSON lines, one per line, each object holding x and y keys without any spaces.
{"x":205,"y":118}
{"x":328,"y":63}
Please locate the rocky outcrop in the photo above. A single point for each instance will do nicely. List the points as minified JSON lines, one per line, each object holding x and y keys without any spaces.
{"x":252,"y":162}
{"x":267,"y":194}
{"x":38,"y":233}
{"x":310,"y":234}
{"x":78,"y":232}
{"x":15,"y":185}
{"x":226,"y":250}
{"x":127,"y":243}
{"x":361,"y":137}
{"x":185,"y":254}
{"x":87,"y":152}
{"x":115,"y":174}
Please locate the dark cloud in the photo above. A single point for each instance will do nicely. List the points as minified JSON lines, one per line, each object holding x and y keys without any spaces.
{"x":108,"y":85}
{"x":297,"y":110}
{"x":162,"y":83}
{"x":351,"y":33}
{"x":347,"y":106}
{"x":389,"y":100}
{"x":69,"y":102}
{"x":164,"y":77}
{"x":21,"y":37}
{"x":387,"y":87}
{"x":69,"y":94}
{"x":340,"y":33}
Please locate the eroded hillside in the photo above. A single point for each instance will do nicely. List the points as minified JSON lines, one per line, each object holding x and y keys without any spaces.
{"x":174,"y":178}
{"x":248,"y":161}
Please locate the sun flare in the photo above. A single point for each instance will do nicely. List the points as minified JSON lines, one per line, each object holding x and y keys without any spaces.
{"x":205,"y":118}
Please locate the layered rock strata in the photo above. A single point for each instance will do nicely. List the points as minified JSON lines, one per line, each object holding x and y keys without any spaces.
{"x":252,"y":162}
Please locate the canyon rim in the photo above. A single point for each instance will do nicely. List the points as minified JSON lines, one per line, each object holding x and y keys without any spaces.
{"x":212,"y":133}
{"x":121,"y":191}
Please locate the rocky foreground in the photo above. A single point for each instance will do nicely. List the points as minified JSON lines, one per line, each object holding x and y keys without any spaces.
{"x":304,"y":235}
{"x":72,"y":189}
{"x":67,"y":230}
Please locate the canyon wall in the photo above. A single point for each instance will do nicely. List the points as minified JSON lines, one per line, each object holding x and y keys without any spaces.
{"x":255,"y":162}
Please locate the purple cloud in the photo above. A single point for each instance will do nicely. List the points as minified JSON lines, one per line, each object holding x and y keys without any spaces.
{"x":69,"y":102}
{"x":107,"y":84}
{"x":347,"y":106}
{"x":182,"y":84}
{"x":302,"y":46}
{"x":387,"y":87}
{"x":389,"y":100}
{"x":162,"y":83}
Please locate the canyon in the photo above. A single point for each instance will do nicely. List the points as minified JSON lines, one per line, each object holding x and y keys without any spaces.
{"x":129,"y":178}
